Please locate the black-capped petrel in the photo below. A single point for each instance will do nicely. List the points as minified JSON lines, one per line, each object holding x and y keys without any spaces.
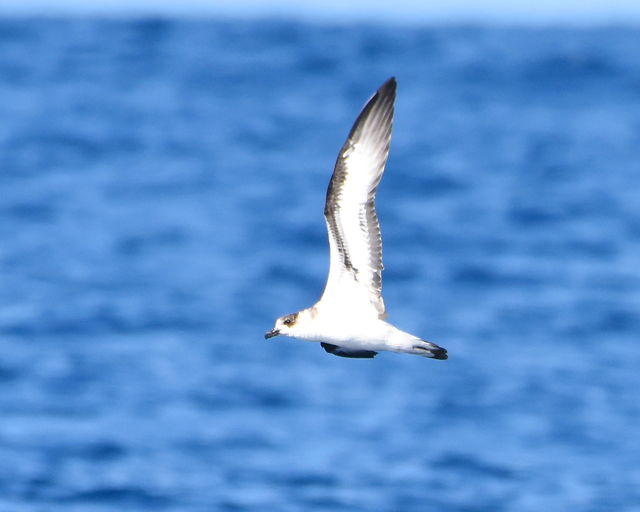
{"x":349,"y":318}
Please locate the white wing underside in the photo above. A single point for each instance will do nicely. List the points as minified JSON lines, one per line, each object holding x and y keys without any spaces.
{"x":355,"y":242}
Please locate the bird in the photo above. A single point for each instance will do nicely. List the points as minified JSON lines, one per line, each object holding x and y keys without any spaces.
{"x":349,"y":319}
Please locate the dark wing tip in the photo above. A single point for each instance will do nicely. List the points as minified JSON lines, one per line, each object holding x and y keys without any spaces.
{"x":386,"y":93}
{"x":382,"y":101}
{"x":388,"y":88}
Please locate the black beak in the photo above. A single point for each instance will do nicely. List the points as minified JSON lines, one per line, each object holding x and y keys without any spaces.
{"x":271,"y":334}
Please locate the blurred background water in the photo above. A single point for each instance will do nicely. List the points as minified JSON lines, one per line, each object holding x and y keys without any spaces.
{"x":161,"y":193}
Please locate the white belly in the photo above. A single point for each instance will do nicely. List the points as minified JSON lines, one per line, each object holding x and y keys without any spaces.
{"x":350,"y":332}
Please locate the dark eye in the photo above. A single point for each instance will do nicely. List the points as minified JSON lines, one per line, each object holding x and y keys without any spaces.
{"x":287,"y":321}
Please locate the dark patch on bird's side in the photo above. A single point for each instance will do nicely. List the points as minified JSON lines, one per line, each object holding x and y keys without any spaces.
{"x":344,"y":352}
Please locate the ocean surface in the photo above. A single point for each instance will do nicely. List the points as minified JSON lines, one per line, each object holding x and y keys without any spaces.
{"x":161,"y":194}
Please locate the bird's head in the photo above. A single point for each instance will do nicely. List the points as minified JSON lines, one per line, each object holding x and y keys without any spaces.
{"x":284,"y":326}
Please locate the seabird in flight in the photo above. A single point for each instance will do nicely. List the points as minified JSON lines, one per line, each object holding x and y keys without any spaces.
{"x":349,"y":318}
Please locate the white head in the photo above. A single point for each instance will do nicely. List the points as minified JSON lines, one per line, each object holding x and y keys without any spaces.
{"x":287,"y":325}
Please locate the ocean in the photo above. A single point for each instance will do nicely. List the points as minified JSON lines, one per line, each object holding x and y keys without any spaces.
{"x":161,"y":192}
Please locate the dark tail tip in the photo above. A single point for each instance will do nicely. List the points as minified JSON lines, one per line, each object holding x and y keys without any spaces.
{"x":440,"y":353}
{"x":432,"y":351}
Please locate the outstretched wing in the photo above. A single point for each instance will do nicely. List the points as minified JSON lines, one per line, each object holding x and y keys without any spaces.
{"x":355,"y":241}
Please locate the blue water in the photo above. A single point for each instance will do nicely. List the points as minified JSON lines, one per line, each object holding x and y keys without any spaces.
{"x":161,"y":190}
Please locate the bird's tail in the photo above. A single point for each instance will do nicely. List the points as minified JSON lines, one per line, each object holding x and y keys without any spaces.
{"x":428,"y":349}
